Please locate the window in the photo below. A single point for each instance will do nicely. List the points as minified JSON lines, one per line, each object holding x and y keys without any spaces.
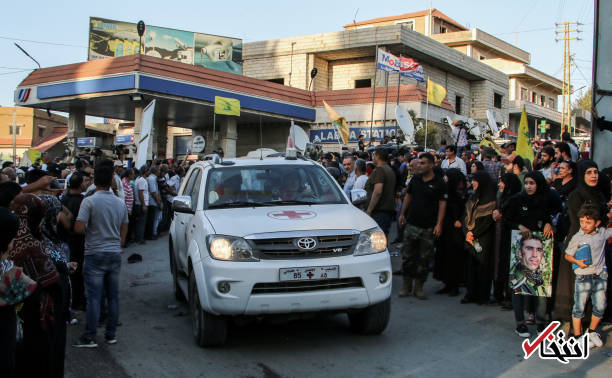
{"x":195,"y":191}
{"x":542,"y":100}
{"x":442,"y":29}
{"x":363,"y":83}
{"x":271,"y":185}
{"x":458,"y":104}
{"x":482,"y":57}
{"x":192,"y":188}
{"x":280,"y":80}
{"x":41,"y":132}
{"x":497,"y":100}
{"x":551,"y":103}
{"x":11,"y":130}
{"x":534,"y":97}
{"x":524,"y":94}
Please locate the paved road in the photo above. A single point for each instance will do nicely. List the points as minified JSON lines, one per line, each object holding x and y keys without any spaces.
{"x":436,"y":337}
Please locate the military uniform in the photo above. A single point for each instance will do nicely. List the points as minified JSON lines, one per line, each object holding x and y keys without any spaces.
{"x":526,"y":284}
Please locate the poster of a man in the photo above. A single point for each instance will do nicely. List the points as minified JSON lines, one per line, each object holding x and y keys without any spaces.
{"x":531,"y":264}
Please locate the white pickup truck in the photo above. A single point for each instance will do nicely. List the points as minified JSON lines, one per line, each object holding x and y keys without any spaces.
{"x":257,"y":237}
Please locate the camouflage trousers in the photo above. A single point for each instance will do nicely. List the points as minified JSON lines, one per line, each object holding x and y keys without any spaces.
{"x":417,"y":251}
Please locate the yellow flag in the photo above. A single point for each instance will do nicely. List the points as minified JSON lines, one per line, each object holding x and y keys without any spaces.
{"x":227,"y":106}
{"x":34,"y":154}
{"x":339,"y":123}
{"x":435,"y":92}
{"x":523,"y":142}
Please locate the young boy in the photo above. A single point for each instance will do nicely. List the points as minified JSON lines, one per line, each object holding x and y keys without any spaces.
{"x":591,"y":280}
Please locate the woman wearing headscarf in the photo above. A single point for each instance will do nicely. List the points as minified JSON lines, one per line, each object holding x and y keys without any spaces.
{"x":450,"y":258}
{"x":589,"y":190}
{"x":480,"y":236}
{"x":15,"y":287}
{"x":530,"y":211}
{"x":509,"y":186}
{"x":38,"y":312}
{"x":58,"y":250}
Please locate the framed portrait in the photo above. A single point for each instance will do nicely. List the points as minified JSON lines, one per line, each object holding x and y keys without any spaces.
{"x":531,"y":264}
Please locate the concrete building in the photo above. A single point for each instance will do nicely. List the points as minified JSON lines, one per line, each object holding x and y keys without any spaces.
{"x":38,"y":128}
{"x":528,"y":87}
{"x":345,"y":62}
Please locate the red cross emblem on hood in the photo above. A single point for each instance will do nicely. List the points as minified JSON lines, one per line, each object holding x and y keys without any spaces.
{"x":292,"y":214}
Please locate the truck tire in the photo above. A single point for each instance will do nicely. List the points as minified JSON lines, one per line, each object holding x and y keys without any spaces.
{"x":371,"y":320}
{"x":208,"y":329}
{"x":178,"y":293}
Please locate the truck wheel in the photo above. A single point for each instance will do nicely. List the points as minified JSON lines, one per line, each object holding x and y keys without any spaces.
{"x":178,"y":293}
{"x":371,"y":320}
{"x":208,"y":329}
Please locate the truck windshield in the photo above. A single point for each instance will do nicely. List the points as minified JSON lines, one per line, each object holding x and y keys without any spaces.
{"x":275,"y":185}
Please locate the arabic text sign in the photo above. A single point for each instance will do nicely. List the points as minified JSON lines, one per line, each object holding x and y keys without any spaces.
{"x":332,"y":136}
{"x":551,"y":346}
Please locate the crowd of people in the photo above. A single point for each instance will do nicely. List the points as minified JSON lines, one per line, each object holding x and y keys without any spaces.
{"x":61,"y":246}
{"x":454,"y":211}
{"x":455,"y":216}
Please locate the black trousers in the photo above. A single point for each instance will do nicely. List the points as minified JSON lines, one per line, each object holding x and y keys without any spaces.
{"x":479,"y":275}
{"x":150,"y":222}
{"x":77,"y":251}
{"x":8,"y":342}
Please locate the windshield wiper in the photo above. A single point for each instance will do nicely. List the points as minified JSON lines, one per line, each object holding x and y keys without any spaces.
{"x":237,"y":204}
{"x":289,"y":202}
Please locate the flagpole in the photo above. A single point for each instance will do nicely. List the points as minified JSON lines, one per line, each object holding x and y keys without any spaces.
{"x":399,"y":83}
{"x":426,"y":112}
{"x":386,"y":97}
{"x":214,"y":124}
{"x":374,"y":90}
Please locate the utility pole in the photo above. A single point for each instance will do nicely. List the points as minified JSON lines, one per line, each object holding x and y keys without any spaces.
{"x":14,"y":130}
{"x":565,"y":28}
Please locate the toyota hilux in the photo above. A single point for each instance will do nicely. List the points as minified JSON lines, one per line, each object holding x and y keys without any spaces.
{"x":263,"y":237}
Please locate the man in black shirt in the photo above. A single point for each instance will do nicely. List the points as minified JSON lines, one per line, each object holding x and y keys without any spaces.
{"x":381,"y":191}
{"x":361,"y":143}
{"x":423,"y":212}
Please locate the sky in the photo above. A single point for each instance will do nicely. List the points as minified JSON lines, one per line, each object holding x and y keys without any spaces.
{"x":57,"y":34}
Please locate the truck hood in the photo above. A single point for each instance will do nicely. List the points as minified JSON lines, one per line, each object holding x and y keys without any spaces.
{"x":248,"y":220}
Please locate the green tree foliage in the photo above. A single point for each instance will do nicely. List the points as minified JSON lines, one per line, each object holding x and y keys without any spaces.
{"x":583,"y":102}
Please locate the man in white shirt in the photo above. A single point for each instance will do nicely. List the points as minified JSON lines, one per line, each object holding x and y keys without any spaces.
{"x":349,"y":167}
{"x":453,"y":161}
{"x":141,"y":203}
{"x":118,"y":167}
{"x":360,"y":177}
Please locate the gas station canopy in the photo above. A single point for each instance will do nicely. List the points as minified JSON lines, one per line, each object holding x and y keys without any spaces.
{"x":185,"y":94}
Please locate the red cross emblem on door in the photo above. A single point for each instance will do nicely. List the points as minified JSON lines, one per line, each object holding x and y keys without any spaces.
{"x":292,"y":214}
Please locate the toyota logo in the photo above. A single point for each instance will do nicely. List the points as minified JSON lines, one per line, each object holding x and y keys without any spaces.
{"x":306,"y":244}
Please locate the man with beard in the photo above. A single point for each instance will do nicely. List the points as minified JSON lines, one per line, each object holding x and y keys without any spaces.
{"x":526,"y":275}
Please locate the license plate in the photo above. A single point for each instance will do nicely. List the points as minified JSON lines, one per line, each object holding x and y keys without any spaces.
{"x":310,"y":273}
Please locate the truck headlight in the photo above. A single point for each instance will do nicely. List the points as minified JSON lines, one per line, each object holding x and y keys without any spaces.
{"x":371,"y":241}
{"x":229,"y":248}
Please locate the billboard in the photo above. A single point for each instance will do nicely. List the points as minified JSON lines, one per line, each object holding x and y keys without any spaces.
{"x":109,"y":38}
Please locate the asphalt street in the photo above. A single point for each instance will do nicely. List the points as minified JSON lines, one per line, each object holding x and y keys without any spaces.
{"x":435,"y":337}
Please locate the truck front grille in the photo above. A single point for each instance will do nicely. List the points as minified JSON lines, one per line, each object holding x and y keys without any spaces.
{"x":284,"y":248}
{"x":301,"y":286}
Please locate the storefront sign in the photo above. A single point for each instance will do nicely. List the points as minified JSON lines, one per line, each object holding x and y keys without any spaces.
{"x":331,"y":135}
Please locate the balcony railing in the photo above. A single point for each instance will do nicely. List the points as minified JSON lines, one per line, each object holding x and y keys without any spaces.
{"x":535,"y":110}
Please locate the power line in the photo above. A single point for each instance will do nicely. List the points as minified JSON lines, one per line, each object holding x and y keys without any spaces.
{"x":16,"y":68}
{"x":14,"y":72}
{"x":41,"y":42}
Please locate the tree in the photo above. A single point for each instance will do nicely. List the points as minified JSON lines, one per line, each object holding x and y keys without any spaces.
{"x":583,"y":102}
